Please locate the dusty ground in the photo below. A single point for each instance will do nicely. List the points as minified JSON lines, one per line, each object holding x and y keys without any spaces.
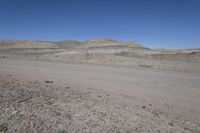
{"x":56,"y":97}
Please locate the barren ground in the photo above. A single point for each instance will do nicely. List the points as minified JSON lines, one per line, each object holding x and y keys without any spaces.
{"x":71,"y":97}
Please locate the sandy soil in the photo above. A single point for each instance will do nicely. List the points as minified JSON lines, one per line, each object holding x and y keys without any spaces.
{"x":71,"y":97}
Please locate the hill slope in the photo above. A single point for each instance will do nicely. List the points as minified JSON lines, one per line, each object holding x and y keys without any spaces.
{"x":100,"y":43}
{"x":26,"y":44}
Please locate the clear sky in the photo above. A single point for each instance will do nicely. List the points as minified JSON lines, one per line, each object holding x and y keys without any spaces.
{"x":153,"y":23}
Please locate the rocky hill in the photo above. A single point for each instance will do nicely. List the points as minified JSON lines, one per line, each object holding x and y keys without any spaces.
{"x":67,"y":44}
{"x":26,"y":44}
{"x":133,"y":44}
{"x":100,"y":43}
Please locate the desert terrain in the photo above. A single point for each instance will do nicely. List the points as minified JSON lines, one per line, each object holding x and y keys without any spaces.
{"x":97,"y":86}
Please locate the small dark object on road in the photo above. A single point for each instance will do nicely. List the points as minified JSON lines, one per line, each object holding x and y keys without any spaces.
{"x":48,"y":81}
{"x":144,"y":107}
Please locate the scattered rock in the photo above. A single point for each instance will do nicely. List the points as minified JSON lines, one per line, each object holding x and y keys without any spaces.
{"x":188,"y":129}
{"x":156,"y":112}
{"x":48,"y":81}
{"x":58,"y":114}
{"x":3,"y":127}
{"x":158,"y":131}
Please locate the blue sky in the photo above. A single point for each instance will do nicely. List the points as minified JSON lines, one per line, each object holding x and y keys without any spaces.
{"x":153,"y":23}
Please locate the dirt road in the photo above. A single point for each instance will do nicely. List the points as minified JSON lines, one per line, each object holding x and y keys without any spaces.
{"x":172,"y":93}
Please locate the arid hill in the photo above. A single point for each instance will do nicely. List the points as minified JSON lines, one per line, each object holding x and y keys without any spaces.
{"x":100,"y":43}
{"x":134,"y":44}
{"x":66,"y":44}
{"x":26,"y":44}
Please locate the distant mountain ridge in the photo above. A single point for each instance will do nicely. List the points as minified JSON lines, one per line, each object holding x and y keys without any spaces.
{"x":26,"y":44}
{"x":66,"y":43}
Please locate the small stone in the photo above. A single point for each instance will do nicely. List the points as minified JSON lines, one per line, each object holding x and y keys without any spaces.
{"x":48,"y":81}
{"x":144,"y":107}
{"x":58,"y":114}
{"x":67,"y":87}
{"x":171,"y":124}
